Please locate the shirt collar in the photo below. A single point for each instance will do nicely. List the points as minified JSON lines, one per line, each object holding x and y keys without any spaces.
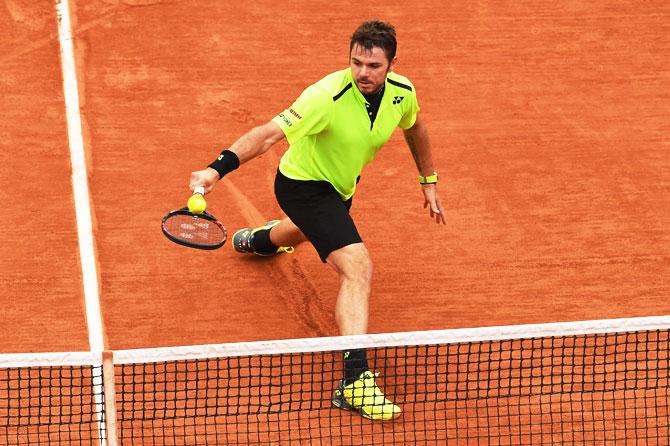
{"x":357,"y":92}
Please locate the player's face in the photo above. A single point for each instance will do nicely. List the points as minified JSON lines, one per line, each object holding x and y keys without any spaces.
{"x":369,"y":68}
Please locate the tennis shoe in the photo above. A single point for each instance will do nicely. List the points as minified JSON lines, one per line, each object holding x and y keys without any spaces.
{"x":366,"y":398}
{"x":243,"y":240}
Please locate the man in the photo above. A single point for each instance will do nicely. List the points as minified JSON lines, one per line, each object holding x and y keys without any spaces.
{"x":334,"y":129}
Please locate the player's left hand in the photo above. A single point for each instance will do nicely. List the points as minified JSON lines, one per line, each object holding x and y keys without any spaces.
{"x":433,"y":203}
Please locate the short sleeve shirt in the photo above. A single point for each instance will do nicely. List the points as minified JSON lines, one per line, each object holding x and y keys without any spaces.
{"x":330,"y":134}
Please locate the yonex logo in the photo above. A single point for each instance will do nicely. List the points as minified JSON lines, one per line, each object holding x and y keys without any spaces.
{"x":398,"y":99}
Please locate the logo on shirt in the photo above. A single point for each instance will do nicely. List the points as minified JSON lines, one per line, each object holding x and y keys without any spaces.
{"x":294,"y":113}
{"x":398,"y":99}
{"x":285,"y":119}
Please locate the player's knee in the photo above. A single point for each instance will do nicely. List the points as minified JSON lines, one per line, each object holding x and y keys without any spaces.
{"x":359,"y":267}
{"x":366,"y":269}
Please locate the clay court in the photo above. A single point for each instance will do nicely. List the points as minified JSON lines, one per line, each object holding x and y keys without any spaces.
{"x":550,"y":131}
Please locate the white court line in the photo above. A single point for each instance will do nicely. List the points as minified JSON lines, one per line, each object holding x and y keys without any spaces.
{"x":79,"y":180}
{"x":81,"y":200}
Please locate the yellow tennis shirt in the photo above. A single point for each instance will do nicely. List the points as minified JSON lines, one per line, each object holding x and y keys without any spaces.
{"x":329,"y":131}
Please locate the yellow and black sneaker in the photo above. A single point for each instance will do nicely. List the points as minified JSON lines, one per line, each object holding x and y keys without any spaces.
{"x":366,"y":398}
{"x":243,"y":240}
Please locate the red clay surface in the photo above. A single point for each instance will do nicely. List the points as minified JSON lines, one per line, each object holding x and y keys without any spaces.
{"x":549,"y":125}
{"x":549,"y":129}
{"x":40,"y":278}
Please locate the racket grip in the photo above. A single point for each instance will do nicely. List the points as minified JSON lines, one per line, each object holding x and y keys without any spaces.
{"x":199,"y":190}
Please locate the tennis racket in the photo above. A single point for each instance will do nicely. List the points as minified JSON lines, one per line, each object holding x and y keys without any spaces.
{"x":195,"y":230}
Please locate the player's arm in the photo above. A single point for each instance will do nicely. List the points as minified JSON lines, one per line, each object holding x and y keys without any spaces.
{"x":257,"y":141}
{"x":250,"y":145}
{"x":419,"y":144}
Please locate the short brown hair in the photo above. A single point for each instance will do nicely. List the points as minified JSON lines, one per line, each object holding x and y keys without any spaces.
{"x":375,"y":33}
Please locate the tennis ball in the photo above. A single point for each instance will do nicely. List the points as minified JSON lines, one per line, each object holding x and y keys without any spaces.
{"x":196,"y":204}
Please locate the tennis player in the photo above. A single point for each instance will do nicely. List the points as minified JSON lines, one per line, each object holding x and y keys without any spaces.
{"x":334,"y":129}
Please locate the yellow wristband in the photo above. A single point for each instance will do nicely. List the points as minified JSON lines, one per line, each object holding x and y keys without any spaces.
{"x":430,"y":179}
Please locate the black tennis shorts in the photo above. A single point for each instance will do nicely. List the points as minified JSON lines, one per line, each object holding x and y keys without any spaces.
{"x":318,"y":210}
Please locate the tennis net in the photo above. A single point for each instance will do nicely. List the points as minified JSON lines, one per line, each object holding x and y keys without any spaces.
{"x":55,"y":398}
{"x":581,"y":383}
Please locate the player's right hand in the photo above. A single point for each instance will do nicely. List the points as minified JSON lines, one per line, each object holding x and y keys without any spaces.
{"x":206,"y":178}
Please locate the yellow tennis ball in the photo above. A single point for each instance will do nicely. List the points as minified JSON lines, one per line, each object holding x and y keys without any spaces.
{"x":197,"y":204}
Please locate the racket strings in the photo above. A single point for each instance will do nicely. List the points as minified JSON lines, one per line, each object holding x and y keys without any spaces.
{"x":194,"y":230}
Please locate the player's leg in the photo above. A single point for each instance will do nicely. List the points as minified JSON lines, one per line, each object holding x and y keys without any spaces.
{"x":354,"y":266}
{"x":323,"y":218}
{"x":358,"y":390}
{"x":286,"y":233}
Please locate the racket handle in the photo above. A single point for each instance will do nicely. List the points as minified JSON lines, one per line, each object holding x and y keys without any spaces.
{"x":199,"y":190}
